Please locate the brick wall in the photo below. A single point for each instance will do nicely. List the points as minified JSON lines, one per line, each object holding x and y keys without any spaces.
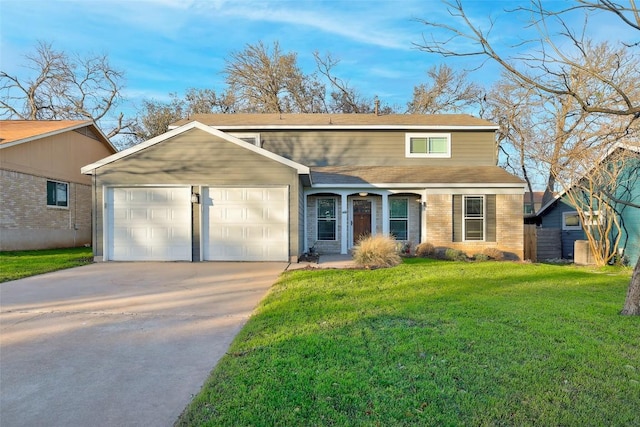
{"x":509,"y":225}
{"x":26,"y":222}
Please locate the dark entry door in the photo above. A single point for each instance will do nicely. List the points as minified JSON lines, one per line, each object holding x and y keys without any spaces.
{"x":361,"y":219}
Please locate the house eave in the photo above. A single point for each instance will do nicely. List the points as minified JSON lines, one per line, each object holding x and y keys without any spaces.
{"x":351,"y":127}
{"x":423,"y":185}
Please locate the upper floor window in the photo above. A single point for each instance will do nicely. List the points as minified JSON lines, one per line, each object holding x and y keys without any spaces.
{"x":251,"y":138}
{"x":326,"y":219}
{"x":473,"y":211}
{"x":57,"y":194}
{"x":428,"y":145}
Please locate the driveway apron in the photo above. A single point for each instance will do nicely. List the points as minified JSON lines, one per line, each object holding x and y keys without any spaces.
{"x":119,"y":344}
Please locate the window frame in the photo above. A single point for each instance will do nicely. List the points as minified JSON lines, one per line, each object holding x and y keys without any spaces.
{"x":246,"y":135}
{"x":66,"y":188}
{"x":410,"y":136}
{"x":466,"y":216}
{"x":333,"y":219}
{"x":398,"y":219}
{"x":566,"y":227}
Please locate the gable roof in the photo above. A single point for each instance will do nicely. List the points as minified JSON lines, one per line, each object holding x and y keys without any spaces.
{"x":340,"y":121}
{"x":88,"y":170}
{"x":15,"y":132}
{"x":433,"y":176}
{"x":618,"y":146}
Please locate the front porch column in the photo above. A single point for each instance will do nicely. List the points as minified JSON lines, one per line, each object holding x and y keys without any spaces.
{"x":344,"y":229}
{"x":423,"y":216}
{"x":385,"y":214}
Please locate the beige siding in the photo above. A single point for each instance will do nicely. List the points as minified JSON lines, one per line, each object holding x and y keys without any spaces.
{"x":196,"y":158}
{"x":331,"y":148}
{"x":58,"y":157}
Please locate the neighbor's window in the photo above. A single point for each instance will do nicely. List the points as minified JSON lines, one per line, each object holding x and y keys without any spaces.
{"x":57,"y":194}
{"x":428,"y":145}
{"x":473,"y":211}
{"x":326,"y":219}
{"x":571,"y":221}
{"x":399,"y":218}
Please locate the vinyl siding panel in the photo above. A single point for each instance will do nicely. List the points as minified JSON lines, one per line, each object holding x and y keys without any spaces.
{"x":381,"y":148}
{"x":553,"y":219}
{"x":197,"y":158}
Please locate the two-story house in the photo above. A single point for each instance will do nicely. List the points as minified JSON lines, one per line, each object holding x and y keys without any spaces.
{"x":251,"y":187}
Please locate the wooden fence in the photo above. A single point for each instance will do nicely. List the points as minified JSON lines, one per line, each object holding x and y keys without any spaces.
{"x":542,"y":243}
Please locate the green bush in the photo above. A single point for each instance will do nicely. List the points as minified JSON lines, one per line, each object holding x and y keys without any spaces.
{"x":425,"y":250}
{"x":493,"y":253}
{"x":377,"y":252}
{"x":455,"y":255}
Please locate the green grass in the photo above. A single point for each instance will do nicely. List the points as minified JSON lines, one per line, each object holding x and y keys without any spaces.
{"x":18,"y":264}
{"x":432,"y":343}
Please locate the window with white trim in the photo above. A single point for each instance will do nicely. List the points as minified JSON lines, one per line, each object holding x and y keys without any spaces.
{"x":399,"y":218}
{"x":251,"y":138}
{"x":57,"y":194}
{"x":473,"y":213}
{"x":326,"y":211}
{"x":571,"y":221}
{"x":428,"y":145}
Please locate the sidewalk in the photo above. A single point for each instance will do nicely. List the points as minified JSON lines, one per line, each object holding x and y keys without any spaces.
{"x":326,"y":261}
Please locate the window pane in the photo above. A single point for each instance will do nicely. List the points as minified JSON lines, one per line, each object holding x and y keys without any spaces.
{"x":398,"y":229}
{"x":326,"y":230}
{"x":474,"y":229}
{"x":438,"y":145}
{"x":398,"y":208}
{"x":61,"y":194}
{"x":418,"y":145}
{"x":51,"y":193}
{"x":473,"y":207}
{"x":571,"y":220}
{"x":326,"y":208}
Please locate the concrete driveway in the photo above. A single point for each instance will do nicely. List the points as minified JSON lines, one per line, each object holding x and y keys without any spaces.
{"x":119,"y":344}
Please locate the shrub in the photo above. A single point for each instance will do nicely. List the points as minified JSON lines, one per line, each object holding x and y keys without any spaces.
{"x":455,"y":255}
{"x":425,"y":250}
{"x":494,"y":253}
{"x":481,"y":257}
{"x":376,"y":252}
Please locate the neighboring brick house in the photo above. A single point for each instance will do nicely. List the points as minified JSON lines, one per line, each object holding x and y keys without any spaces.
{"x":270,"y":186}
{"x":45,"y":202}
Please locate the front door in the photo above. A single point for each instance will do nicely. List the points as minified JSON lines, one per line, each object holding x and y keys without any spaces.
{"x":361,"y":219}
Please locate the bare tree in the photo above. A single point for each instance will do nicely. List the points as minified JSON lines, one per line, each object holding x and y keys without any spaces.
{"x":269,"y":81}
{"x":449,"y":91}
{"x":608,"y":72}
{"x":546,"y":64}
{"x":343,"y":98}
{"x":59,"y":86}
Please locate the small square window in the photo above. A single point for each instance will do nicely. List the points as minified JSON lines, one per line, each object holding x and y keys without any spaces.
{"x":571,"y":221}
{"x":57,"y":194}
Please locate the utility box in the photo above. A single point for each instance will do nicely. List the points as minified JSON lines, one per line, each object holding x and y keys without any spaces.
{"x":582,"y":253}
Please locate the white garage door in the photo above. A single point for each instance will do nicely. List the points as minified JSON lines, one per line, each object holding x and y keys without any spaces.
{"x":149,"y":224}
{"x":245,"y":224}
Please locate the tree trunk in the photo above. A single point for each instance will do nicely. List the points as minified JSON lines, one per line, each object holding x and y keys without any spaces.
{"x":632,"y":303}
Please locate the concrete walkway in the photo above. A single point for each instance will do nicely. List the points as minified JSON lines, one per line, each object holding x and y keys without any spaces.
{"x":326,"y":261}
{"x":119,"y":344}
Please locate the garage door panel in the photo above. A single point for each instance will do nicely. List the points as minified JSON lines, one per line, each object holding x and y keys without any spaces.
{"x":246,"y":224}
{"x":149,"y":224}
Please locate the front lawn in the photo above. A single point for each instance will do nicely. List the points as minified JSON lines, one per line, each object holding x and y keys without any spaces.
{"x":18,"y":264}
{"x":432,"y":343}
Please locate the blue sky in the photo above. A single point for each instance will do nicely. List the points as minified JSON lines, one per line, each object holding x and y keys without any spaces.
{"x":168,"y":46}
